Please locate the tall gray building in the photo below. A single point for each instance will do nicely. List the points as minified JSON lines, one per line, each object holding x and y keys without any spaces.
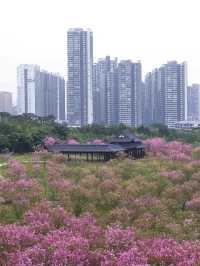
{"x":105,"y":91}
{"x":153,"y":98}
{"x":80,"y":70}
{"x":194,"y":102}
{"x":51,"y":96}
{"x":130,"y":93}
{"x":5,"y":102}
{"x":166,"y":94}
{"x":40,"y":92}
{"x":175,"y":92}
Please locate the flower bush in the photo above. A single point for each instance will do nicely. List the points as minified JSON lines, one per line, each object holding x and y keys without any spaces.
{"x":122,"y":213}
{"x":48,"y":141}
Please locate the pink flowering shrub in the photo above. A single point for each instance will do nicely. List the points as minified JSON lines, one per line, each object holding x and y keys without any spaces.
{"x":155,"y":146}
{"x":48,"y":141}
{"x":72,"y":141}
{"x":169,"y":150}
{"x":193,"y":204}
{"x":16,"y":169}
{"x":174,"y":176}
{"x":97,"y":142}
{"x":121,"y":213}
{"x":118,"y":239}
{"x":79,"y":241}
{"x":21,"y":192}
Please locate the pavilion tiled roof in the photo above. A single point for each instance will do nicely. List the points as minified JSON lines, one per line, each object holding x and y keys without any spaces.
{"x":84,"y":148}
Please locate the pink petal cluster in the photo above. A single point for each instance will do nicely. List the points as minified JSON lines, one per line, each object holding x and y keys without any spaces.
{"x":21,"y":191}
{"x":72,"y":141}
{"x":97,"y":142}
{"x":169,"y":150}
{"x":16,"y":169}
{"x":41,"y":240}
{"x":193,"y":204}
{"x":48,"y":141}
{"x":174,"y":176}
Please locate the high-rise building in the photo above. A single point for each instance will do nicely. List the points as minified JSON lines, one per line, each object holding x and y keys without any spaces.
{"x":130,"y":93}
{"x":28,"y":77}
{"x":166,"y":94}
{"x":96,"y":95}
{"x":153,"y":98}
{"x":193,"y":96}
{"x":40,"y":92}
{"x":148,"y":100}
{"x":5,"y":102}
{"x":175,"y":92}
{"x":51,"y":96}
{"x":105,"y":91}
{"x":80,"y":70}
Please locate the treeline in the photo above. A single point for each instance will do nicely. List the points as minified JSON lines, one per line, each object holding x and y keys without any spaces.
{"x":25,"y":132}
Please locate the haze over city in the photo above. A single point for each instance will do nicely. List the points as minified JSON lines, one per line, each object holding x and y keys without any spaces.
{"x":35,"y":32}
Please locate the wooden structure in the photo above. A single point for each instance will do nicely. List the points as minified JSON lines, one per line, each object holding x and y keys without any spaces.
{"x":133,"y":146}
{"x":128,"y":144}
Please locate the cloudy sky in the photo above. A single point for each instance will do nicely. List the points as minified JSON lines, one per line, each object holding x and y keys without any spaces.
{"x":153,"y":31}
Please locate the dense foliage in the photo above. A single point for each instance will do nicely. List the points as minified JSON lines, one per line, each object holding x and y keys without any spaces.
{"x":25,"y":133}
{"x":121,"y":213}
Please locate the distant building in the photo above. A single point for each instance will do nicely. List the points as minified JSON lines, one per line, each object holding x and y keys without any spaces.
{"x":105,"y":91}
{"x":152,"y":98}
{"x":165,"y":94}
{"x":185,"y":125}
{"x":28,"y":78}
{"x":175,"y":92}
{"x":130,"y":93}
{"x":51,"y":96}
{"x":80,"y":71}
{"x":40,"y":92}
{"x":193,"y":96}
{"x":5,"y":102}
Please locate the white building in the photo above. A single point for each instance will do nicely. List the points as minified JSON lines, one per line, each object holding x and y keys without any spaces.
{"x":185,"y":125}
{"x":80,"y":71}
{"x":194,"y":102}
{"x":166,"y":93}
{"x":40,"y":92}
{"x":27,"y":84}
{"x":130,"y":93}
{"x":175,"y":92}
{"x":5,"y":102}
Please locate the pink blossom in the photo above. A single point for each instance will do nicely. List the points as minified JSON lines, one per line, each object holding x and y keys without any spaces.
{"x":193,"y":204}
{"x":72,"y":141}
{"x":119,"y":239}
{"x":97,"y":142}
{"x":16,"y":169}
{"x":49,"y":141}
{"x":174,"y":176}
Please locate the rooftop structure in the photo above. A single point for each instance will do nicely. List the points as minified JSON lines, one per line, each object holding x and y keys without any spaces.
{"x":127,"y":144}
{"x":187,"y":124}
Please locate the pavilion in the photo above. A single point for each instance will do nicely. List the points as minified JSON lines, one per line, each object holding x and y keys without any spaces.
{"x":126,"y":144}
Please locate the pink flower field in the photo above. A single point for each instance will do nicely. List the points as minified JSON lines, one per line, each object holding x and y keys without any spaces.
{"x":119,"y":213}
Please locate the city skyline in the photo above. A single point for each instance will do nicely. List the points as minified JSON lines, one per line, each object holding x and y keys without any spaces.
{"x":25,"y":39}
{"x":40,"y":92}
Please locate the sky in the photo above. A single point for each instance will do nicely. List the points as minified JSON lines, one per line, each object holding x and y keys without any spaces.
{"x":153,"y":31}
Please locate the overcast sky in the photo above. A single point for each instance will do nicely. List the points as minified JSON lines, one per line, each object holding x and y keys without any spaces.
{"x":153,"y":31}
